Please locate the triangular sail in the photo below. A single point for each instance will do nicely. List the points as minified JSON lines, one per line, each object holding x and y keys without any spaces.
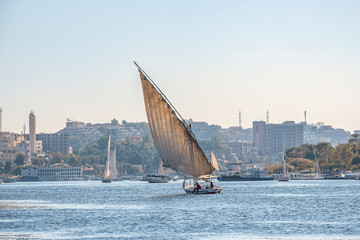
{"x":113,"y":170}
{"x":107,"y":164}
{"x":177,"y":147}
{"x":284,"y":166}
{"x":214,"y":162}
{"x":317,"y":164}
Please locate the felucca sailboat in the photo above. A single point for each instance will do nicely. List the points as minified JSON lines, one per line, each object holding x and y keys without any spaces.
{"x":174,"y":140}
{"x":110,"y":165}
{"x":285,"y":177}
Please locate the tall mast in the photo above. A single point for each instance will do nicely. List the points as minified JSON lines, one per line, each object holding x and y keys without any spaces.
{"x":240,"y":119}
{"x":0,"y":120}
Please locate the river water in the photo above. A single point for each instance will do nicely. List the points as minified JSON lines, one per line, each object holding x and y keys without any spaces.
{"x":312,"y":209}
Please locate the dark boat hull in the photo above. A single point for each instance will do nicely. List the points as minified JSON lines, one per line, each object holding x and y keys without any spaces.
{"x":238,"y":178}
{"x":107,"y":180}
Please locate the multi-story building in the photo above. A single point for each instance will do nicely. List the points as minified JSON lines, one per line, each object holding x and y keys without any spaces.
{"x":275,"y":138}
{"x":55,"y":142}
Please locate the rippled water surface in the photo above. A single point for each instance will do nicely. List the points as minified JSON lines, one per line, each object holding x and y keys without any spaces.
{"x":139,"y":210}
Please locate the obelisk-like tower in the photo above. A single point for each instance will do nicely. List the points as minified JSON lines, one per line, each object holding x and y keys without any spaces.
{"x":32,"y":131}
{"x":0,"y":120}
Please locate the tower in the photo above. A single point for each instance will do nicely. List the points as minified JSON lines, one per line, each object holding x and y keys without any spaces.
{"x":32,"y":132}
{"x":305,"y":121}
{"x":240,"y":119}
{"x":267,"y":116}
{"x":0,"y":120}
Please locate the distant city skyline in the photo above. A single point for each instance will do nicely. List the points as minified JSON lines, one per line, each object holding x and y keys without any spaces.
{"x":65,"y":59}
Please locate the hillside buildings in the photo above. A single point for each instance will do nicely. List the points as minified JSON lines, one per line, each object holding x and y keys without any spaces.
{"x":10,"y":146}
{"x":316,"y":133}
{"x":86,"y":132}
{"x":89,"y":133}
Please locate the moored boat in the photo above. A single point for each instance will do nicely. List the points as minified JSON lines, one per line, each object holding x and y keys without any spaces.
{"x":285,"y":177}
{"x":158,"y":178}
{"x":9,"y":180}
{"x":247,"y":175}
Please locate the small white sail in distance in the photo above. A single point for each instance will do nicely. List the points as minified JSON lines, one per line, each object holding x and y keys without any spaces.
{"x":214,"y":162}
{"x":107,"y":164}
{"x":285,"y":170}
{"x":113,"y":170}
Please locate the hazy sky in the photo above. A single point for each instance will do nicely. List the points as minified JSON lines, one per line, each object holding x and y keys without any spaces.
{"x":74,"y":59}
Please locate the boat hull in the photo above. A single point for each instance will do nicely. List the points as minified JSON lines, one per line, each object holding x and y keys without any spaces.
{"x":215,"y":190}
{"x":9,"y":180}
{"x":158,"y":179}
{"x":283,"y":180}
{"x":238,"y":178}
{"x":106,"y":180}
{"x":154,"y":181}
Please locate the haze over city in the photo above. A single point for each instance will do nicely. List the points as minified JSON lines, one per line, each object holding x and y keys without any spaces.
{"x":65,"y":59}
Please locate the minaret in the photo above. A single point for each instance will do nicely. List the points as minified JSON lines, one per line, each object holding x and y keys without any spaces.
{"x":0,"y":120}
{"x":32,"y":131}
{"x":240,"y":119}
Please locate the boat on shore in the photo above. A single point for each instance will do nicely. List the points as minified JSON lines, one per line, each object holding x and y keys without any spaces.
{"x":174,"y":140}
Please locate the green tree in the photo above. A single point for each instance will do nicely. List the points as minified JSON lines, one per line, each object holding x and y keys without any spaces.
{"x":56,"y":158}
{"x":76,"y":144}
{"x":73,"y":160}
{"x":20,"y":160}
{"x":355,"y":138}
{"x":17,"y":171}
{"x":7,"y":167}
{"x":40,"y":161}
{"x":341,"y":156}
{"x":355,"y":161}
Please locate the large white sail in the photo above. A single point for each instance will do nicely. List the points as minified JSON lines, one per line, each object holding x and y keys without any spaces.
{"x":113,"y":170}
{"x":107,"y":164}
{"x":177,"y":147}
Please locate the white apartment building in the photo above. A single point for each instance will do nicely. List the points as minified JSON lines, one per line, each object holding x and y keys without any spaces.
{"x":60,"y":173}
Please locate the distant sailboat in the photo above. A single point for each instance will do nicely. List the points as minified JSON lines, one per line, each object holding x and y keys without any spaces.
{"x":174,"y":140}
{"x":110,"y":165}
{"x":318,"y":171}
{"x":285,"y":177}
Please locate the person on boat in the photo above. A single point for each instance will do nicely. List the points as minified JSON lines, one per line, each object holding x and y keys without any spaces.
{"x":211,"y":185}
{"x":197,"y":187}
